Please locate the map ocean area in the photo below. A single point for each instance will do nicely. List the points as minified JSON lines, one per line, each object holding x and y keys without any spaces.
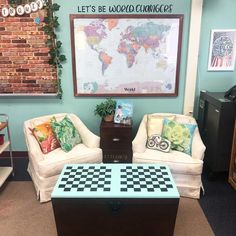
{"x":125,"y":55}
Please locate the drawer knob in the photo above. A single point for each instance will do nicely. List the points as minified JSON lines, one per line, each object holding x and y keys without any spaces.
{"x":115,"y":139}
{"x":115,"y":206}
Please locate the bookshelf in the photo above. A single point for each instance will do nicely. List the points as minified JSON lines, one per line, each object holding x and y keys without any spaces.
{"x":6,"y":170}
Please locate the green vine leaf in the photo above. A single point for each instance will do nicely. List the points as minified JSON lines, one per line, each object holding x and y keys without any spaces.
{"x":60,"y":72}
{"x":47,"y":29}
{"x":50,"y":62}
{"x":58,"y":44}
{"x":55,"y":22}
{"x":55,"y":7}
{"x":62,"y":58}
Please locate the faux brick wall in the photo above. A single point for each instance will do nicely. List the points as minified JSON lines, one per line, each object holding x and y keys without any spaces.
{"x":24,"y":56}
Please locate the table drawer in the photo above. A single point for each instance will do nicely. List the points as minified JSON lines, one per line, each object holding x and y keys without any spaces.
{"x":115,"y":141}
{"x":117,"y":156}
{"x":124,"y":132}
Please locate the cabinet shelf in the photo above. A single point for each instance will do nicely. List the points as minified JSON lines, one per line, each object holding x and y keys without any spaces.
{"x":4,"y":173}
{"x":3,"y":125}
{"x":4,"y":146}
{"x":6,"y":170}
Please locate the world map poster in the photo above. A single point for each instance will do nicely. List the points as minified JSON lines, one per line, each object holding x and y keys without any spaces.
{"x":126,"y":55}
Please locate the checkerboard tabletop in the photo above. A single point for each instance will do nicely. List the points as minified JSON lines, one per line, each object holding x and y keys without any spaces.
{"x":115,"y":181}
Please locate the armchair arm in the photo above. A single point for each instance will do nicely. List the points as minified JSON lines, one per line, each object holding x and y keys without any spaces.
{"x":198,"y":147}
{"x":139,"y":142}
{"x":34,"y":150}
{"x":89,"y":139}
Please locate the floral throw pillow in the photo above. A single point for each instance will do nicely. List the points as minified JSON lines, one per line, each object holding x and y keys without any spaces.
{"x":180,"y":135}
{"x":66,"y":133}
{"x":45,"y":137}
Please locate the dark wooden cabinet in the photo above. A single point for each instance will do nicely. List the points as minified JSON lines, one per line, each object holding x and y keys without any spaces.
{"x":116,"y":142}
{"x":232,"y":167}
{"x":216,"y":117}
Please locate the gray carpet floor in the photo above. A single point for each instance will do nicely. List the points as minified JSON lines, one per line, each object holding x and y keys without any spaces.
{"x":22,"y":215}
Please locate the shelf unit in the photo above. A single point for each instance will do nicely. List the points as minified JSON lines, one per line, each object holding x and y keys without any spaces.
{"x":6,"y":170}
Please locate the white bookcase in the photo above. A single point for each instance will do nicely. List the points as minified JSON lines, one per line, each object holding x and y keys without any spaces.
{"x":6,"y":170}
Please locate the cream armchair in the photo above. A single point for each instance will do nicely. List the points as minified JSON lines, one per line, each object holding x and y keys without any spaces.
{"x":44,"y":169}
{"x":186,"y":169}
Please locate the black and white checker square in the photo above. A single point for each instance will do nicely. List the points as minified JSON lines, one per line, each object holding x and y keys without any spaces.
{"x":145,"y":179}
{"x":86,"y":178}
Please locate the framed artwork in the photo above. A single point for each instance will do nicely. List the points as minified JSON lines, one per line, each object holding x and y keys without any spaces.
{"x":222,"y":50}
{"x":126,"y":55}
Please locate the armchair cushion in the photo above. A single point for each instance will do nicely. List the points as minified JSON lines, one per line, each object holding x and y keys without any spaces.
{"x":178,"y":162}
{"x":180,"y":135}
{"x":66,"y":133}
{"x":53,"y":162}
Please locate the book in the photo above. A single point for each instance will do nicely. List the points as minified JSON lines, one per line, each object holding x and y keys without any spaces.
{"x":123,"y":112}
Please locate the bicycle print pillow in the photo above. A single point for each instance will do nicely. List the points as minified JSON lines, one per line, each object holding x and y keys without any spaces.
{"x":159,"y":143}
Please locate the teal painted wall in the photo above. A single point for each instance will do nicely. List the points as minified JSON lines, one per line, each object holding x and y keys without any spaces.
{"x":20,"y":109}
{"x":217,"y":14}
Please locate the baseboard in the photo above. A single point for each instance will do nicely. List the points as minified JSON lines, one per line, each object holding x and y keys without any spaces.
{"x":20,"y":163}
{"x":15,"y":154}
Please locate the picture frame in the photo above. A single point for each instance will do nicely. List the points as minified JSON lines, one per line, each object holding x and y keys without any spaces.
{"x":124,"y":112}
{"x":126,"y":55}
{"x":222,"y":50}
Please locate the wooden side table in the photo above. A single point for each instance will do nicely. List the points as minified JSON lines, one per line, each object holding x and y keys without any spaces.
{"x":116,"y":142}
{"x":232,"y":168}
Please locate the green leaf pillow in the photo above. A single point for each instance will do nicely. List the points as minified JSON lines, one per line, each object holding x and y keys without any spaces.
{"x":66,"y":133}
{"x":180,"y":135}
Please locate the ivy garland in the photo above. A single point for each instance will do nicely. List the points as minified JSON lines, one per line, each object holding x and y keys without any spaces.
{"x":51,"y":24}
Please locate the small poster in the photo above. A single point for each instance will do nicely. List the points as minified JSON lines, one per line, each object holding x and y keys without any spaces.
{"x":124,"y":112}
{"x":222,"y":50}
